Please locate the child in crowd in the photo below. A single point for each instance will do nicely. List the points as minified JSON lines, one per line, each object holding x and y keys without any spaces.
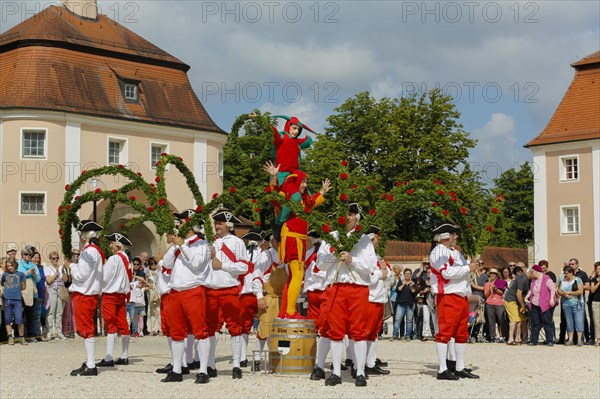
{"x":13,"y":282}
{"x":139,"y":287}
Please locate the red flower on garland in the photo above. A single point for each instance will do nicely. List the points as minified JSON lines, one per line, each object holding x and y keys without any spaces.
{"x":470,"y":226}
{"x":181,"y":159}
{"x":232,"y":189}
{"x":463,"y":210}
{"x":341,"y":220}
{"x":494,"y":210}
{"x":198,"y":209}
{"x":60,"y":231}
{"x":454,"y":199}
{"x":343,"y":176}
{"x":326,"y":228}
{"x":121,"y":166}
{"x":67,"y":187}
{"x":445,"y":212}
{"x":150,"y":209}
{"x":83,"y":172}
{"x":257,"y":210}
{"x":434,"y":204}
{"x":372,"y":212}
{"x":162,"y":202}
{"x":158,"y":163}
{"x":68,"y":207}
{"x":307,"y":209}
{"x":406,"y":183}
{"x":410,"y":192}
{"x":398,"y":183}
{"x":258,"y":223}
{"x":344,"y":163}
{"x":114,"y":191}
{"x":153,"y":189}
{"x":268,"y":189}
{"x":60,"y":208}
{"x":438,"y":182}
{"x":132,"y":198}
{"x":187,"y":220}
{"x":139,"y":174}
{"x":77,"y":197}
{"x":490,"y":229}
{"x":384,"y":196}
{"x":357,"y":228}
{"x":157,"y":179}
{"x":440,"y":192}
{"x":354,"y":187}
{"x":452,"y":194}
{"x":163,"y":154}
{"x":369,"y":188}
{"x":98,"y":190}
{"x":215,"y":195}
{"x":254,"y":200}
{"x":343,"y":197}
{"x":390,"y":198}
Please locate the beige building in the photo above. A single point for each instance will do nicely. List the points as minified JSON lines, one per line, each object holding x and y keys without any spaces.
{"x":567,"y":173}
{"x":78,"y":91}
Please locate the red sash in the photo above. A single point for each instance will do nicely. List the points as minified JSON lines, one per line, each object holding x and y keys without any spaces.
{"x":166,"y":271}
{"x":129,"y":274}
{"x":312,"y":258}
{"x":442,"y":280}
{"x":229,"y":253}
{"x":97,"y":248}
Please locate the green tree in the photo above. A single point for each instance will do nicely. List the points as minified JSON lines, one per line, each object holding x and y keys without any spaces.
{"x":516,"y":227}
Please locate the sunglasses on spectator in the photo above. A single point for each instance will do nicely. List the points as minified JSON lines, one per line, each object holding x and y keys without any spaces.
{"x":136,"y":264}
{"x":26,"y":254}
{"x":54,"y":258}
{"x":75,"y":253}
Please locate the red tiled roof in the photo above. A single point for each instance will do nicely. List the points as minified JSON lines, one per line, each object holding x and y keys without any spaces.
{"x":578,"y":114}
{"x":57,"y":61}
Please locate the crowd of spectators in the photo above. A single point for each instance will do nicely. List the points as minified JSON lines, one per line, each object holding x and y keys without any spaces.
{"x":36,"y":305}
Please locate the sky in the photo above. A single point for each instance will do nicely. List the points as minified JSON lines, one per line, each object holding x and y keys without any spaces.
{"x":505,"y":63}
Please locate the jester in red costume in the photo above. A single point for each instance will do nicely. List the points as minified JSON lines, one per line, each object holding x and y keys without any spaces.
{"x":292,"y":247}
{"x":287,"y":146}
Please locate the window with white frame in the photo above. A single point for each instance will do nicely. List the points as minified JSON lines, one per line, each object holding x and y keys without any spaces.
{"x":34,"y":144}
{"x":570,"y":219}
{"x":569,"y":168}
{"x":220,"y":164}
{"x":131,"y":92}
{"x":155,"y":151}
{"x":117,"y":151}
{"x":33,"y":203}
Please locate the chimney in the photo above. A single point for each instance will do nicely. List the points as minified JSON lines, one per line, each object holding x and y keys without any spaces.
{"x":83,"y":8}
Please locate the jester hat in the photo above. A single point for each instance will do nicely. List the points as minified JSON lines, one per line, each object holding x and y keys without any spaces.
{"x":293,"y":120}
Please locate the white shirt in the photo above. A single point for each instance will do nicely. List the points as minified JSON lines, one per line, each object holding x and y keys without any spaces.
{"x":50,"y":271}
{"x":114,"y":276}
{"x":189,"y":264}
{"x":453,"y":267}
{"x":378,"y":287}
{"x":87,"y":272}
{"x":163,"y":278}
{"x":252,"y":257}
{"x":364,"y":262}
{"x":315,"y":279}
{"x":228,"y":275}
{"x":267,"y":260}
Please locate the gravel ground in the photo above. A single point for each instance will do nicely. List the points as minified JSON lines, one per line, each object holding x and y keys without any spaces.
{"x":506,"y":372}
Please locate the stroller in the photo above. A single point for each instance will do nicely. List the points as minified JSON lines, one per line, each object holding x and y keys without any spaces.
{"x":476,"y":323}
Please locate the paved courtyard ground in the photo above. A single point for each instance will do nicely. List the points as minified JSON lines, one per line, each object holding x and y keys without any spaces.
{"x":41,"y":370}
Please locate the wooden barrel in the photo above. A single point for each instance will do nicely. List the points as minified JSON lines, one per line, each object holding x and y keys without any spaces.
{"x":296,"y":341}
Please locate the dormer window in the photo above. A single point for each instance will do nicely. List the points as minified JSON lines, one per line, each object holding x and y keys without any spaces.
{"x":131,"y":92}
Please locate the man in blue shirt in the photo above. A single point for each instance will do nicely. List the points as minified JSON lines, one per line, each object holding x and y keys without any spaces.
{"x":13,"y":283}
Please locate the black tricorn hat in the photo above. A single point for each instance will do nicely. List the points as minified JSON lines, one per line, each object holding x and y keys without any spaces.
{"x":355,"y":208}
{"x":185,"y":214}
{"x":120,"y":238}
{"x":446,"y":227}
{"x":225,"y":215}
{"x":373,"y":230}
{"x":254,"y":235}
{"x":88,"y":225}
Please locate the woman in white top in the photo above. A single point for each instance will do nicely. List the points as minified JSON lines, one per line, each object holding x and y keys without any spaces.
{"x":55,"y":281}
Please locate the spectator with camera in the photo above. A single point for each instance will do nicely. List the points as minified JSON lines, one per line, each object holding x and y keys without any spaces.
{"x":405,"y":302}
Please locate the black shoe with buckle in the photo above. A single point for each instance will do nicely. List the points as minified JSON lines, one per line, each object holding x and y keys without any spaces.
{"x":465,"y":374}
{"x":361,"y":381}
{"x":105,"y":363}
{"x":447,"y":375}
{"x":376,"y":370}
{"x":185,"y":370}
{"x":212,"y":373}
{"x":333,"y":380}
{"x":244,"y":363}
{"x":202,"y":378}
{"x":236,"y":373}
{"x":194,"y":365}
{"x":379,"y":363}
{"x":122,"y":361}
{"x":85,"y":371}
{"x":353,"y":374}
{"x":172,"y":377}
{"x":256,"y":365}
{"x":165,"y":370}
{"x":317,"y":374}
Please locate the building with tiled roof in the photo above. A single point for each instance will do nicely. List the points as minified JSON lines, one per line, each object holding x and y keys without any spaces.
{"x":79,"y":90}
{"x":566,"y":155}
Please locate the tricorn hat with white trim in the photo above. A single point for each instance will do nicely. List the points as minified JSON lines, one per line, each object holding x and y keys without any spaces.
{"x":120,"y":238}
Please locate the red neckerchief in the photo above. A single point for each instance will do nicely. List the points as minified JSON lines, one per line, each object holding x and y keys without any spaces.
{"x":190,"y":242}
{"x":229,"y":253}
{"x":312,"y":258}
{"x":97,"y":248}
